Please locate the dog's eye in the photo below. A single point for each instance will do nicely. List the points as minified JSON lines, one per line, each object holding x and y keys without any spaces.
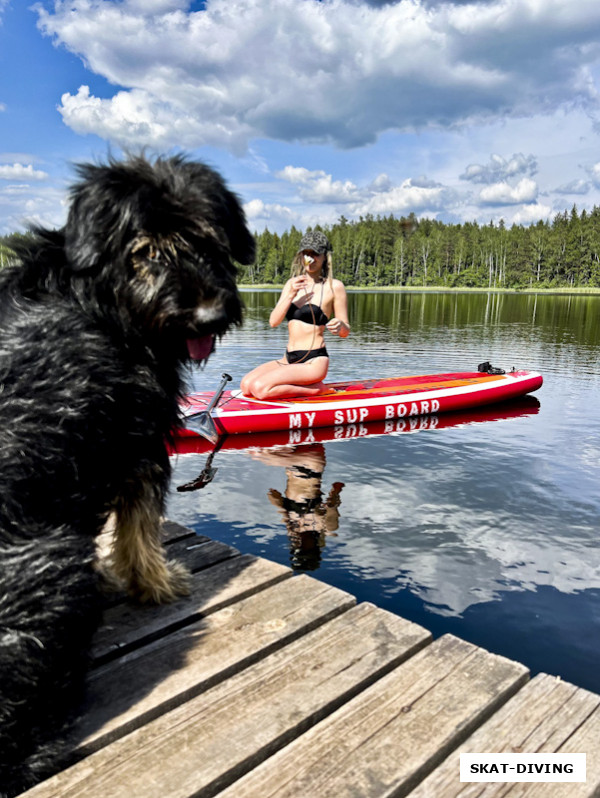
{"x":143,"y":256}
{"x":145,"y":248}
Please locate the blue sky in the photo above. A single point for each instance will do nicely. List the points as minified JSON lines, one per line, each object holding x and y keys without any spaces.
{"x":311,"y":109}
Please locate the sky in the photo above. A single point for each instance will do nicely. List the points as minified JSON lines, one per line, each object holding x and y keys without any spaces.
{"x":311,"y":109}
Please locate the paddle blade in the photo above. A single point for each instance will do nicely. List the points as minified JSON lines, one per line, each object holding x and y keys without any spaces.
{"x":204,"y":425}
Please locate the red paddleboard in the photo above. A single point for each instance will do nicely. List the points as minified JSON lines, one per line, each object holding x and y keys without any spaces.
{"x":189,"y":442}
{"x":362,"y":401}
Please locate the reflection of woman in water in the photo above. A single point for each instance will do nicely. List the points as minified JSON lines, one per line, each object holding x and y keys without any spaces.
{"x":308,"y":519}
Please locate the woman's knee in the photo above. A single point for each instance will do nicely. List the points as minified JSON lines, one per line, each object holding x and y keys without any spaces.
{"x":249,"y":380}
{"x":251,"y":385}
{"x":260,"y":388}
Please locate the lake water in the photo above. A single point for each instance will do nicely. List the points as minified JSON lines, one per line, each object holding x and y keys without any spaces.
{"x":484,"y":525}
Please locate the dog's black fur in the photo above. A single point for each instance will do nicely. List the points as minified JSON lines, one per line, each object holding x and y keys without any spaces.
{"x":94,"y":325}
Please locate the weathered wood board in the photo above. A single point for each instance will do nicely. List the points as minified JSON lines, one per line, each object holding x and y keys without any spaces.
{"x":147,"y":682}
{"x":212,"y":739}
{"x":388,"y":737}
{"x":128,"y":624}
{"x":546,"y":716}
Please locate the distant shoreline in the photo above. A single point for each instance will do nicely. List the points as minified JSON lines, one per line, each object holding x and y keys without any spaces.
{"x":440,"y":289}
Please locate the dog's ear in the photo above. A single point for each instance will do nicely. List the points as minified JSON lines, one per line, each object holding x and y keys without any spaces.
{"x":81,"y":246}
{"x":104,"y":209}
{"x":222,"y":206}
{"x":89,"y":216}
{"x":241,"y":241}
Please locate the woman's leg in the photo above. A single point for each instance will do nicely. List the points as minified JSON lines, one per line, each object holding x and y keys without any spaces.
{"x":256,"y":375}
{"x":297,"y":379}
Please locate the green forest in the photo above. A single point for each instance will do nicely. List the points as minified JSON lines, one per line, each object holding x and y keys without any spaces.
{"x":411,"y":252}
{"x":387,"y":251}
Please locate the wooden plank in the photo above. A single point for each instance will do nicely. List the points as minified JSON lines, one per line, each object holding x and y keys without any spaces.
{"x":171,"y":531}
{"x":197,"y":554}
{"x":128,"y":624}
{"x":142,"y":685}
{"x":546,"y":716}
{"x":388,"y":737}
{"x":211,"y":740}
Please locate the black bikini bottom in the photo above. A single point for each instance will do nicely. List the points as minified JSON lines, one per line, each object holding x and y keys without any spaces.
{"x":303,"y":507}
{"x":302,"y":355}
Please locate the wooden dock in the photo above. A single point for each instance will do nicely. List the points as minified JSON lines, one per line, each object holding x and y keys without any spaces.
{"x":267,"y":684}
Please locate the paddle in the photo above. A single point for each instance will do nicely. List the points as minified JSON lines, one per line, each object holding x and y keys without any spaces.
{"x":204,"y":423}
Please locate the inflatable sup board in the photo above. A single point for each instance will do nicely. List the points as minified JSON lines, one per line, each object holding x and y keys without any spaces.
{"x":189,"y":442}
{"x":213,"y":414}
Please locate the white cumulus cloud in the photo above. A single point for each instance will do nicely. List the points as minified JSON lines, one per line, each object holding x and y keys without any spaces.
{"x":577,"y":186}
{"x":502,"y":193}
{"x":595,"y":174}
{"x":405,"y":198}
{"x":336,"y":71}
{"x":529,"y":214}
{"x":23,"y":204}
{"x":318,"y":186}
{"x":499,"y":168}
{"x":380,"y":196}
{"x":259,"y":212}
{"x":17,"y":171}
{"x":135,"y":118}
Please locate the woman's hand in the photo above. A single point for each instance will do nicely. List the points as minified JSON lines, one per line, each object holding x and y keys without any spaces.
{"x":289,"y":293}
{"x":337,"y":327}
{"x":297,"y":284}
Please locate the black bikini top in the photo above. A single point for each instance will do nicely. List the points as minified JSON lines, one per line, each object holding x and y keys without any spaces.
{"x":309,"y":314}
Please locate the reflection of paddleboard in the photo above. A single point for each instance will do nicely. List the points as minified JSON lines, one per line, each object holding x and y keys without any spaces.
{"x":190,"y":443}
{"x":362,"y":401}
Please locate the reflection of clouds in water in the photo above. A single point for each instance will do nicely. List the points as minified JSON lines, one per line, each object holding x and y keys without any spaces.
{"x":232,"y":498}
{"x":450,"y":556}
{"x":455,"y":566}
{"x":453,"y":556}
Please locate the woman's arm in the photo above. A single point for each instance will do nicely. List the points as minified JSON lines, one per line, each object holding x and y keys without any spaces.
{"x":339,"y":324}
{"x":290,"y":289}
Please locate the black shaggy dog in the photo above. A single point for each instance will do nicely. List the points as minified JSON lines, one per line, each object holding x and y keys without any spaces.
{"x":96,"y":323}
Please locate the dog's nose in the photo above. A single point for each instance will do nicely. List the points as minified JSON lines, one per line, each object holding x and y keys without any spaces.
{"x":209,"y":311}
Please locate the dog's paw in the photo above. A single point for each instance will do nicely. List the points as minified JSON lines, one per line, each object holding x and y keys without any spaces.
{"x":172,"y":583}
{"x":180,"y":578}
{"x":108,"y":581}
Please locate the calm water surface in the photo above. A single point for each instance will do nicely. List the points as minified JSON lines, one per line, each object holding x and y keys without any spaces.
{"x":484,"y":528}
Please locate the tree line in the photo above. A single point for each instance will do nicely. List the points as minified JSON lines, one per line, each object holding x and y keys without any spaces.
{"x":406,"y":251}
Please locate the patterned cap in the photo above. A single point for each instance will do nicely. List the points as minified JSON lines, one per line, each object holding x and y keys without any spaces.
{"x":315,"y":242}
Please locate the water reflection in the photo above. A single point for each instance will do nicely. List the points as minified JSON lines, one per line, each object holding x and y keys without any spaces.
{"x":308,"y":518}
{"x":556,"y":318}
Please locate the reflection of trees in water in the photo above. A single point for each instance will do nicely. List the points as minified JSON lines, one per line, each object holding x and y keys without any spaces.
{"x":551,"y":319}
{"x":308,"y":517}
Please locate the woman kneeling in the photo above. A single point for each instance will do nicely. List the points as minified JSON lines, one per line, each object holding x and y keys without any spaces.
{"x":312,"y":302}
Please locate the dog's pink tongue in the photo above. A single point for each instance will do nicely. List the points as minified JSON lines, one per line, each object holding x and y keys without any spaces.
{"x":200,"y":348}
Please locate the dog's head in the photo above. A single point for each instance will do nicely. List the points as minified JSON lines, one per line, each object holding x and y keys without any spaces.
{"x":157,"y":240}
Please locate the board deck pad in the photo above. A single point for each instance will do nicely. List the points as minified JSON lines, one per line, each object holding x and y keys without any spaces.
{"x":342,"y":391}
{"x":362,"y":401}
